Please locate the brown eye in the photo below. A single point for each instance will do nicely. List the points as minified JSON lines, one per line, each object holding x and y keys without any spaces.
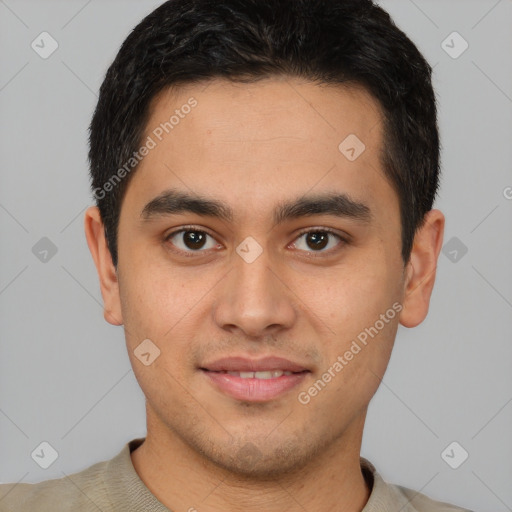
{"x":317,"y":240}
{"x":190,"y":240}
{"x":194,"y":239}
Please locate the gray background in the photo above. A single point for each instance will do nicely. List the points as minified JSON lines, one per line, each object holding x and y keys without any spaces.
{"x":65,"y":377}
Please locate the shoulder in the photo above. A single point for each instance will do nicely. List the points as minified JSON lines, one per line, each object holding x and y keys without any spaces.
{"x":386,"y":497}
{"x":421,"y":503}
{"x":82,"y":491}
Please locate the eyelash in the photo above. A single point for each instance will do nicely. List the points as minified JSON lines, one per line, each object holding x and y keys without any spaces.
{"x":190,"y":253}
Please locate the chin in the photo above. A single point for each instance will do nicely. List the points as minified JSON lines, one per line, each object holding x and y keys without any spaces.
{"x":261,"y":460}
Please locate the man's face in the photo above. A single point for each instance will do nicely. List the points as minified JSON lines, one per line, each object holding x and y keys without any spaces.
{"x":227,"y":292}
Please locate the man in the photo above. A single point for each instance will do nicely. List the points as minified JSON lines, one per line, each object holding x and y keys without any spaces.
{"x":264,"y":175}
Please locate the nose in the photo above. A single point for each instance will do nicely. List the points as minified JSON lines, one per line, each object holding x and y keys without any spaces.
{"x":254,"y":298}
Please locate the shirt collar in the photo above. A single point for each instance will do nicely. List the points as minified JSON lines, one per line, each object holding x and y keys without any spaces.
{"x":129,"y":493}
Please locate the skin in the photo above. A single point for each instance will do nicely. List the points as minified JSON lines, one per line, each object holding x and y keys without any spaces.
{"x":253,"y":146}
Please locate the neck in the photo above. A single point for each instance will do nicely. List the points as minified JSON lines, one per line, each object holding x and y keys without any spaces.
{"x":182,"y":479}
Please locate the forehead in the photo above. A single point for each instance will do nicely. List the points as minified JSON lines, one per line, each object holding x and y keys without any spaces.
{"x":257,"y":143}
{"x":279,"y":107}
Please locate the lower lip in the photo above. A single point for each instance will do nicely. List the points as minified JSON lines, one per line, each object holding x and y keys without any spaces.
{"x":254,"y":390}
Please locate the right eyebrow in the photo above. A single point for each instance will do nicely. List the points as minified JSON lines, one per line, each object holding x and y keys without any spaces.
{"x":174,"y":202}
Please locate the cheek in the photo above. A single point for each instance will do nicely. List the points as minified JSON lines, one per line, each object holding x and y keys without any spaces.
{"x":153,"y":295}
{"x":360,"y":335}
{"x":354,"y":298}
{"x":164,"y":305}
{"x":156,"y":308}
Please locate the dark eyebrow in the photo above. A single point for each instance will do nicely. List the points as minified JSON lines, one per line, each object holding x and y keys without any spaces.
{"x":336,"y":204}
{"x":175,"y":202}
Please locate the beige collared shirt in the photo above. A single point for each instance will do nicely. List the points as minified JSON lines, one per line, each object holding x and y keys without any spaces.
{"x":114,"y":486}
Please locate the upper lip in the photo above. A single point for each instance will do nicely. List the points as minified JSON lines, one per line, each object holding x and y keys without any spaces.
{"x":245,"y":364}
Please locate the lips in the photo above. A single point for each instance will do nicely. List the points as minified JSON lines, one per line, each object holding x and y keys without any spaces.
{"x":242,"y":364}
{"x":254,"y":380}
{"x":266,"y":374}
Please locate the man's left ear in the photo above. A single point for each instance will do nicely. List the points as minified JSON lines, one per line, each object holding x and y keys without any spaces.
{"x":421,"y":269}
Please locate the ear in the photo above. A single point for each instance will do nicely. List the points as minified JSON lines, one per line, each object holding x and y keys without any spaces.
{"x":421,"y":269}
{"x":95,"y":234}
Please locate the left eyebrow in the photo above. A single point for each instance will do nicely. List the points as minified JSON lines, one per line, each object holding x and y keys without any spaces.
{"x":174,"y":201}
{"x":338,"y":205}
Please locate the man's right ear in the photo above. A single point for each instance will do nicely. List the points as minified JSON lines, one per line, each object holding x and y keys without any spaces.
{"x":95,"y":235}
